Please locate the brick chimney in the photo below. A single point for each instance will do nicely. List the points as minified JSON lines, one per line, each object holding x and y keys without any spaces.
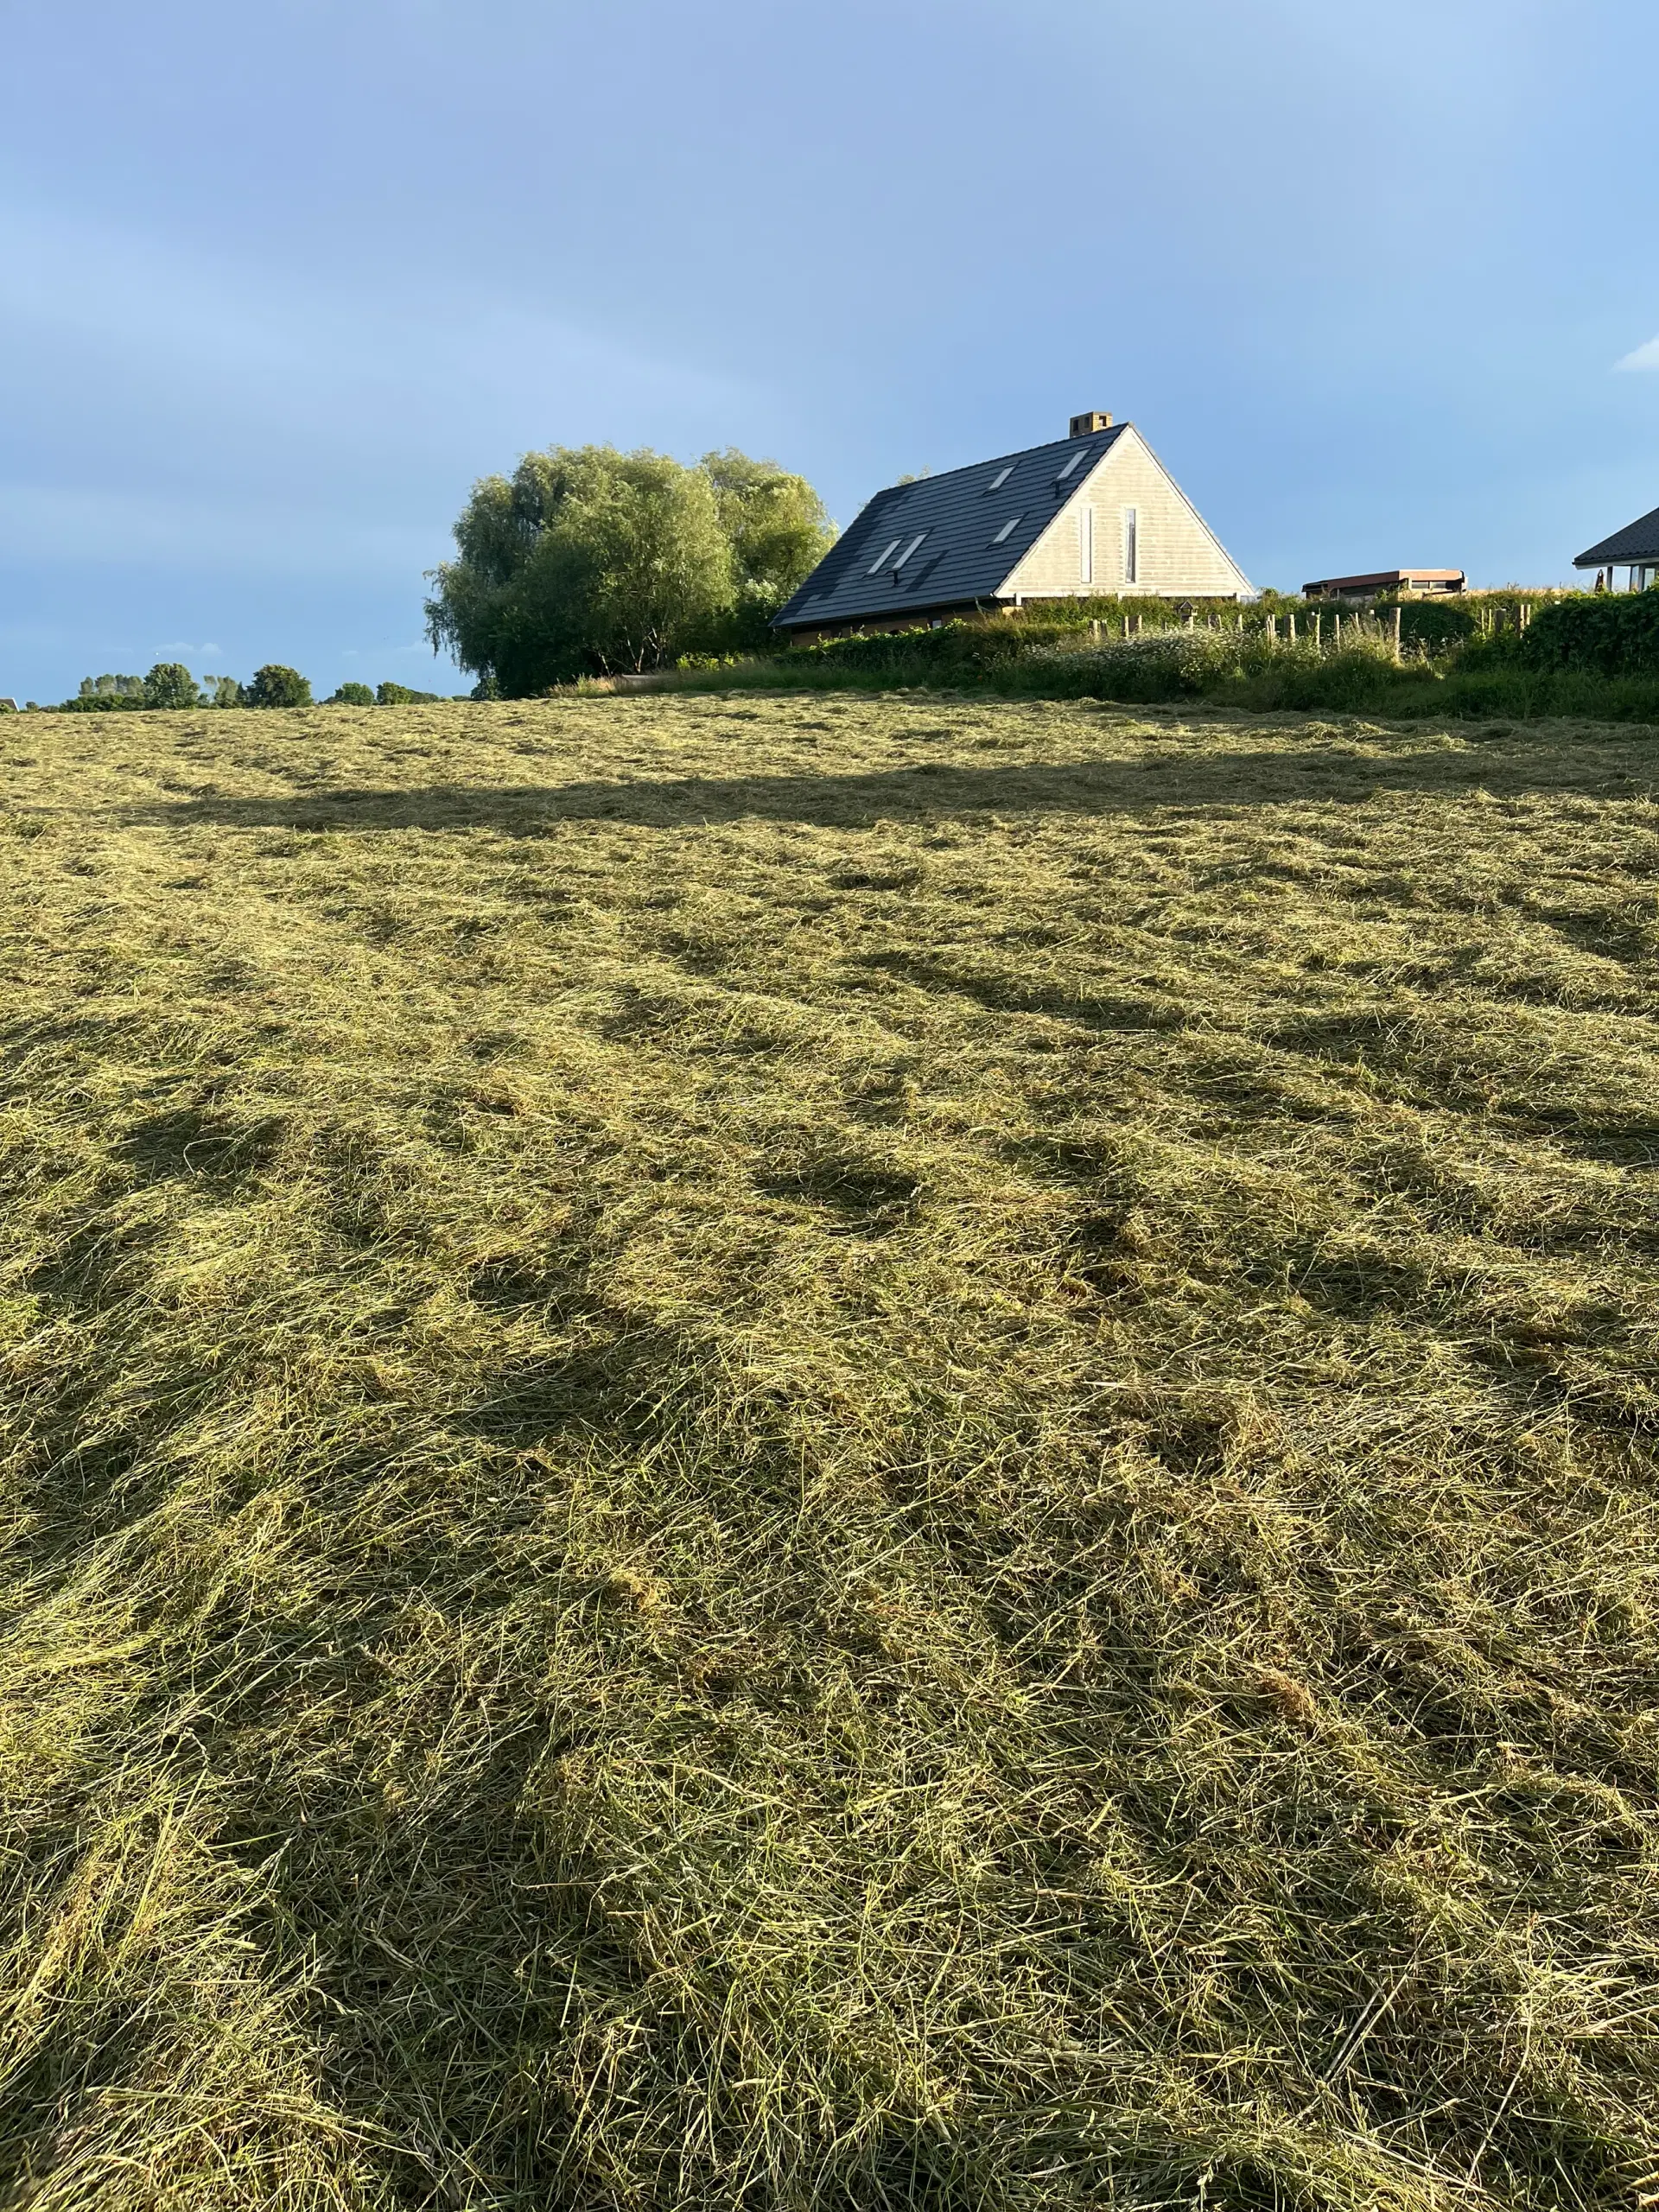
{"x":1084,"y":425}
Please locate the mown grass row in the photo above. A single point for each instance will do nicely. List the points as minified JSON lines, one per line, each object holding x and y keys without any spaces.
{"x":815,"y":1453}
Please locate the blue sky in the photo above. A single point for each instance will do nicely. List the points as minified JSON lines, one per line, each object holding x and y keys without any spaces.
{"x":278,"y":283}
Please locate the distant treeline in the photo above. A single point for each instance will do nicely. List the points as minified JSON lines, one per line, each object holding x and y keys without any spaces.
{"x":586,"y":562}
{"x":170,"y":686}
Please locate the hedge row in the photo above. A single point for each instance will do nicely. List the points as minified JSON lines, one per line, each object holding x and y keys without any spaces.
{"x":1614,"y":634}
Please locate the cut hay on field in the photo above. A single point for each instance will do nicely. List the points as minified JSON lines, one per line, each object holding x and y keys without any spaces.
{"x":827,"y":1452}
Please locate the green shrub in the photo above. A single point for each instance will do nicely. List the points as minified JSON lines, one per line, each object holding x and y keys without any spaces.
{"x":225,"y":692}
{"x":1433,"y":625}
{"x":1604,"y":634}
{"x":970,"y":651}
{"x":276,"y":686}
{"x":351,"y":695}
{"x":399,"y":694}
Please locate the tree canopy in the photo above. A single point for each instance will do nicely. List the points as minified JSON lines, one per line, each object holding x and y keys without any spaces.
{"x":171,"y":683}
{"x":276,"y":686}
{"x":775,"y":525}
{"x":589,"y":561}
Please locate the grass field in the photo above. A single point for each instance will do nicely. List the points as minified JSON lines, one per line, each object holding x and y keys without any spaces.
{"x":827,"y":1453}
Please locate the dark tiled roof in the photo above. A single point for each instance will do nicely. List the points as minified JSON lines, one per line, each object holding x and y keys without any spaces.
{"x":1639,"y":543}
{"x":956,"y":562}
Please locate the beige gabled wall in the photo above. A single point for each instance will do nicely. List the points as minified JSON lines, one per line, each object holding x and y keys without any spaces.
{"x":1179,"y":555}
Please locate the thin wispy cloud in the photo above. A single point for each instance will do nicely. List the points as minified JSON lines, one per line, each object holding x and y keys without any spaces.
{"x":1645,"y":357}
{"x":84,"y":528}
{"x":280,"y":359}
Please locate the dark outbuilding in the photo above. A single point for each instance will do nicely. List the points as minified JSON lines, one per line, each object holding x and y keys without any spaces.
{"x":1396,"y":582}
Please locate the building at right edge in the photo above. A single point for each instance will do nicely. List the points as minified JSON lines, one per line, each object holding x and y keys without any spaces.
{"x":1634,"y":548}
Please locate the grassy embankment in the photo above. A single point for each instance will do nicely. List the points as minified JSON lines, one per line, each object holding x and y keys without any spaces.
{"x":1245,"y":663}
{"x":828,"y":1453}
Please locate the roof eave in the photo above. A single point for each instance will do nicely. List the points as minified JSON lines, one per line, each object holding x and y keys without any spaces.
{"x":784,"y":620}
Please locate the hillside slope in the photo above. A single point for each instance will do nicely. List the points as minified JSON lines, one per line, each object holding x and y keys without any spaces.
{"x":827,"y":1452}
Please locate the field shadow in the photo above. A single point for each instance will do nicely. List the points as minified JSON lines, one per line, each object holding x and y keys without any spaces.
{"x":192,"y":1140}
{"x":1005,"y":995}
{"x":850,"y":1193}
{"x":1306,"y":774}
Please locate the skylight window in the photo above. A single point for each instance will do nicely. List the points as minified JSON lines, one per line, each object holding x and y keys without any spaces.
{"x":1007,"y":530}
{"x":909,"y":549}
{"x":1000,"y":479}
{"x":1077,"y":460}
{"x":886,"y":560}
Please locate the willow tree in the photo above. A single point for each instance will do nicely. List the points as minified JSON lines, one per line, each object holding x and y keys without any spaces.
{"x":588,"y":561}
{"x":777,"y":530}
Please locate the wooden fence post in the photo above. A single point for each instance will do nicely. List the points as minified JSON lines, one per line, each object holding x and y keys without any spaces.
{"x":1398,"y":612}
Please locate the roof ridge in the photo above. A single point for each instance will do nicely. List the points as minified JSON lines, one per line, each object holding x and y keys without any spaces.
{"x":998,"y":460}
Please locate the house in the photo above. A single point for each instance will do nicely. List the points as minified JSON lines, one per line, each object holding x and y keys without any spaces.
{"x":1395,"y":583}
{"x":1636,"y":549}
{"x":1095,"y":513}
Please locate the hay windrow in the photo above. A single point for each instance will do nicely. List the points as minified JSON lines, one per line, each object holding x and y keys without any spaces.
{"x":824,"y":1451}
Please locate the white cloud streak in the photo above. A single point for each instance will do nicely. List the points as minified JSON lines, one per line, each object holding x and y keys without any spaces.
{"x":1645,"y":357}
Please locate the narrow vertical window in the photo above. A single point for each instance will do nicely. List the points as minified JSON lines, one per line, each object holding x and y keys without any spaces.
{"x":1131,"y":545}
{"x":1086,"y":545}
